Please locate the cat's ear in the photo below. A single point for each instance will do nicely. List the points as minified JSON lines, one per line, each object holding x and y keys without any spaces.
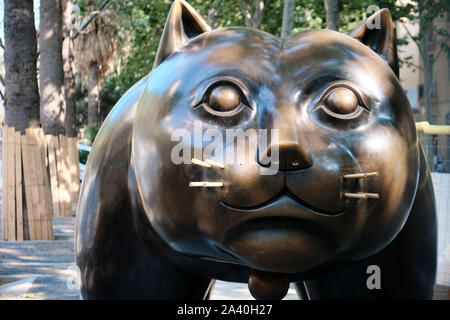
{"x":182,"y":24}
{"x":378,"y":33}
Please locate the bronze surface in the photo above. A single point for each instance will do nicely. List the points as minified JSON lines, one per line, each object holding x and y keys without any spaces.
{"x":145,"y":231}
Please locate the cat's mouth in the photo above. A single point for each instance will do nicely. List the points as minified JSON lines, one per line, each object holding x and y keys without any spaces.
{"x":284,"y":199}
{"x":279,"y":235}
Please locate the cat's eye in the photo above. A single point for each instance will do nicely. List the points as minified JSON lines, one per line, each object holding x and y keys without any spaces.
{"x":224,"y":99}
{"x":342,"y":101}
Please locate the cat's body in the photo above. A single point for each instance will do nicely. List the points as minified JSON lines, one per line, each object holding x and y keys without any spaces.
{"x":142,"y":232}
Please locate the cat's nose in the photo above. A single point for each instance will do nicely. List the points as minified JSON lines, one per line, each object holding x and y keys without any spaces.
{"x":291,"y":156}
{"x":286,"y":149}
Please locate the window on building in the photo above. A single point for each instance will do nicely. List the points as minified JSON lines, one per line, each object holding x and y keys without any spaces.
{"x":411,"y":93}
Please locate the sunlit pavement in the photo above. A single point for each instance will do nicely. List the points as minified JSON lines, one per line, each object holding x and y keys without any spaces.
{"x":45,"y":269}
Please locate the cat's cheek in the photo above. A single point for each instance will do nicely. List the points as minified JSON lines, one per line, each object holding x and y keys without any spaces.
{"x":396,"y":162}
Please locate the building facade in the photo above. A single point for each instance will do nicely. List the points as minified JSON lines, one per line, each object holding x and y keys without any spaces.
{"x":412,"y":79}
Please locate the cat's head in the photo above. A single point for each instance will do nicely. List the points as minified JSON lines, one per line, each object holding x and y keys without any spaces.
{"x":332,"y":107}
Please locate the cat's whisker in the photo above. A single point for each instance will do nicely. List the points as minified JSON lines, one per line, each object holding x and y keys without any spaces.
{"x":361,"y":175}
{"x":215,"y":163}
{"x":362,"y":195}
{"x":200,"y":163}
{"x":206,"y":184}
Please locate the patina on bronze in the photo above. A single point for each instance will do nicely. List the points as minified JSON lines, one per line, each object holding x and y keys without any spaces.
{"x":353,"y":188}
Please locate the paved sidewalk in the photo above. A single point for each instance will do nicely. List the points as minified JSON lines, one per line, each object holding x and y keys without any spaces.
{"x":46,"y":270}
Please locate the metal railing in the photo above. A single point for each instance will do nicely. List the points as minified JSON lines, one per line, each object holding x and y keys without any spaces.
{"x":435,"y":140}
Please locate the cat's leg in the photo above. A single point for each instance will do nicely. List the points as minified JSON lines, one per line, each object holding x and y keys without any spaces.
{"x":115,"y":263}
{"x":119,"y":266}
{"x":300,"y":288}
{"x":210,"y":290}
{"x":407,"y":265}
{"x":142,"y":276}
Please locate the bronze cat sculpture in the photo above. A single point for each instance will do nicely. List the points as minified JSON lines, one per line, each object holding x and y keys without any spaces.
{"x":351,"y":191}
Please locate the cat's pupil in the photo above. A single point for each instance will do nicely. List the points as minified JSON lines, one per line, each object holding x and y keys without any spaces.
{"x":224,"y":98}
{"x":342,"y":101}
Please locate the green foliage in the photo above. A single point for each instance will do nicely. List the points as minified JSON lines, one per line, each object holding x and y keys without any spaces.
{"x":83,"y":156}
{"x":91,"y":133}
{"x":110,"y":94}
{"x":143,"y":22}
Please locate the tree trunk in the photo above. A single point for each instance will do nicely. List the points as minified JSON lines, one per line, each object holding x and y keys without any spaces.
{"x":427,"y":64}
{"x":427,"y":72}
{"x":22,"y":97}
{"x":26,"y":207}
{"x":93,"y":88}
{"x":332,"y":11}
{"x":288,"y":18}
{"x":69,"y":79}
{"x":212,"y":14}
{"x":51,"y":68}
{"x":253,"y":12}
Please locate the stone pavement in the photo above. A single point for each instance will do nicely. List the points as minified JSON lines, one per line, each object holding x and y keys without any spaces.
{"x":45,"y":269}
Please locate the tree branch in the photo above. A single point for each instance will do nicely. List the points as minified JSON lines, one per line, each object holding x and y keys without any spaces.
{"x":245,"y":7}
{"x":413,"y":65}
{"x":93,"y":15}
{"x":437,"y":56}
{"x":2,"y":81}
{"x":412,"y":38}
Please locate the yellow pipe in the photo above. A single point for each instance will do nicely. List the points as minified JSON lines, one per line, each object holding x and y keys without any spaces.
{"x":427,"y":128}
